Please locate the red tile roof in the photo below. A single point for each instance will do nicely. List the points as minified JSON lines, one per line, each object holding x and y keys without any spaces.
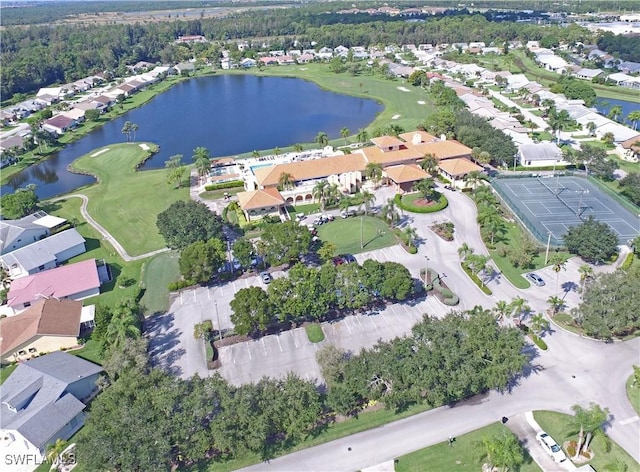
{"x":61,"y":282}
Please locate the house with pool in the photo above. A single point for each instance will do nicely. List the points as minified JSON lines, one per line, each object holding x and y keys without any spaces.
{"x":399,"y":158}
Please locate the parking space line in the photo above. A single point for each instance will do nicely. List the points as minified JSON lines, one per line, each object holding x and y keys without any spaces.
{"x":371,"y":319}
{"x":347,"y":325}
{"x":249,"y":351}
{"x":233,"y":284}
{"x":195,"y":299}
{"x":279,"y":345}
{"x":208,"y":294}
{"x":181,"y":298}
{"x":264,"y":348}
{"x":358,"y":320}
{"x":295,"y":342}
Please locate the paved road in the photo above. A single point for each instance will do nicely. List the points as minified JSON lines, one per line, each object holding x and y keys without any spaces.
{"x":105,"y":234}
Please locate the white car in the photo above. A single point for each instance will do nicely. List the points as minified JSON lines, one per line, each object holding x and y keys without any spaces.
{"x":551,"y":447}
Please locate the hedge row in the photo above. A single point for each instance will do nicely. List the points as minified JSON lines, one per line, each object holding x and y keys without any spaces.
{"x":627,"y":261}
{"x":235,"y":183}
{"x":448,"y":297}
{"x":476,"y":280}
{"x":440,"y":205}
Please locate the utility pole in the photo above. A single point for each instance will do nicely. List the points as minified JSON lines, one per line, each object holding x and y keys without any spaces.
{"x":218,"y":320}
{"x":546,"y":254}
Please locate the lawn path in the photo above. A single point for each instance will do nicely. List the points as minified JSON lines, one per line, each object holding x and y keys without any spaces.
{"x":105,"y":234}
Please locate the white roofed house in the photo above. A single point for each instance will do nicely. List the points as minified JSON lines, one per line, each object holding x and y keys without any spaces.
{"x":553,"y":63}
{"x":15,"y":234}
{"x":587,"y":74}
{"x":43,"y":254}
{"x":540,"y":155}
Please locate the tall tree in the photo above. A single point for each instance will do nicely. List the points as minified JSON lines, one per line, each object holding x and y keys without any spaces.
{"x":390,"y":212}
{"x":363,"y":135}
{"x":634,"y":117}
{"x":251,"y":311}
{"x":322,"y":139}
{"x":184,"y":223}
{"x":615,"y":112}
{"x":503,"y":451}
{"x":589,"y":420}
{"x":20,"y":203}
{"x":592,"y":240}
{"x":199,"y":261}
{"x":344,"y":132}
{"x":286,"y":181}
{"x":373,"y":172}
{"x":134,"y":130}
{"x":429,"y":163}
{"x":126,"y":130}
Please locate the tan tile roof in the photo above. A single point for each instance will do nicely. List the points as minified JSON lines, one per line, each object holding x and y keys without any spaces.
{"x":631,"y":142}
{"x":50,"y":317}
{"x":457,"y":167}
{"x":311,"y":169}
{"x":444,"y":149}
{"x":405,"y":173}
{"x":387,"y":141}
{"x":377,"y":155}
{"x":223,"y":161}
{"x":256,"y":199}
{"x":424,"y":136}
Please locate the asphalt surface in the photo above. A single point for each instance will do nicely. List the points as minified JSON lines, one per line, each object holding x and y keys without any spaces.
{"x":573,"y":370}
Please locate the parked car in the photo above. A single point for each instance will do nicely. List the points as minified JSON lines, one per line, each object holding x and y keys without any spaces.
{"x":317,"y":221}
{"x":338,"y":261}
{"x":349,"y":259}
{"x":266,"y":277}
{"x":237,"y":265}
{"x":535,"y":279}
{"x":551,"y":447}
{"x":347,"y":213}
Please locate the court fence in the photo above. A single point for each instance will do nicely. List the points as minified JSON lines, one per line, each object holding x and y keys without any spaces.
{"x":526,"y":222}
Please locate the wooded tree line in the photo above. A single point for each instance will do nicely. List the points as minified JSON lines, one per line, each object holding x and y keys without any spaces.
{"x":308,"y":293}
{"x":38,"y":56}
{"x":149,"y":420}
{"x":624,"y":47}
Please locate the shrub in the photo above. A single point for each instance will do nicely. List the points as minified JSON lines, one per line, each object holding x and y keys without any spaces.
{"x":476,"y":280}
{"x":627,"y":261}
{"x":180,"y":284}
{"x":538,"y":341}
{"x":314,"y":332}
{"x":441,"y":204}
{"x":235,"y":183}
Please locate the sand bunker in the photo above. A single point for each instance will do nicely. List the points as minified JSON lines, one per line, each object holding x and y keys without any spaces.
{"x":404,"y":89}
{"x":101,"y":151}
{"x":145,"y":147}
{"x":420,"y":102}
{"x":395,"y":117}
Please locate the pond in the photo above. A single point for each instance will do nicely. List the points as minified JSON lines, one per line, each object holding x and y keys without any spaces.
{"x":227,"y":114}
{"x":603,"y":105}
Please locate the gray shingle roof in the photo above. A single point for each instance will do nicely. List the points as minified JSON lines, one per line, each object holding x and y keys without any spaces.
{"x":540,"y":152}
{"x":44,"y":251}
{"x":37,"y":394}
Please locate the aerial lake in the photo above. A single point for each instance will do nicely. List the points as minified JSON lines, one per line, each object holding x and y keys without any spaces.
{"x":603,"y":105}
{"x":227,"y":114}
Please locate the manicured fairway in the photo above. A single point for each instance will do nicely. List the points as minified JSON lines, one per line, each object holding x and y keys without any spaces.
{"x":465,"y":454}
{"x":345,"y":234}
{"x":127,"y":202}
{"x":157,"y":274}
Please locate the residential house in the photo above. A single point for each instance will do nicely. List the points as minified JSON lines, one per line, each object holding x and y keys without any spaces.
{"x":588,"y":74}
{"x":618,"y":78}
{"x":45,"y":254}
{"x":286,"y":60}
{"x":228,"y":63}
{"x":104,"y":101}
{"x":294,"y":52}
{"x":629,"y":150}
{"x":325,"y":53}
{"x":540,"y":155}
{"x":42,"y":401}
{"x":516,"y":81}
{"x":59,"y":124}
{"x":15,"y":234}
{"x":76,"y":114}
{"x":89,"y":105}
{"x":15,"y":142}
{"x":48,"y":325}
{"x":553,"y":63}
{"x":269,"y":60}
{"x":341,"y":51}
{"x":193,"y":38}
{"x":404,"y":177}
{"x":305,"y":58}
{"x":76,"y":281}
{"x":184,"y":67}
{"x":629,"y":67}
{"x":248,"y":62}
{"x":262,"y":202}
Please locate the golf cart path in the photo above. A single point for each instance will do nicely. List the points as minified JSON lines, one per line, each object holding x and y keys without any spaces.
{"x":105,"y":234}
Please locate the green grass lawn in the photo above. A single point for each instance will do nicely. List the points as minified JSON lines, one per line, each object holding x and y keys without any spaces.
{"x":218,"y":194}
{"x":314,"y":332}
{"x":395,"y":101}
{"x":345,"y":234}
{"x":127,"y":202}
{"x":6,"y":371}
{"x":465,"y":454}
{"x":98,"y":249}
{"x":633,"y":392}
{"x":157,"y":273}
{"x":543,"y":136}
{"x":90,"y":352}
{"x":514,"y":274}
{"x":558,"y":425}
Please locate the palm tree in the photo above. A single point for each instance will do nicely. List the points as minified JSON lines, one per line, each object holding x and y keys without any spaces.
{"x":539,"y":324}
{"x":473,"y":178}
{"x":586,"y":272}
{"x":464,"y":251}
{"x":319,"y":192}
{"x":362,"y":136}
{"x":517,"y":306}
{"x":503,"y":451}
{"x":134,"y":130}
{"x":589,"y":420}
{"x":549,"y":106}
{"x":591,"y":127}
{"x":558,"y":122}
{"x":373,"y":172}
{"x":410,"y":234}
{"x":634,"y":117}
{"x":286,"y":181}
{"x":477,"y":264}
{"x":344,"y":132}
{"x":429,"y":163}
{"x":123,"y":325}
{"x":298,"y":147}
{"x":200,"y":152}
{"x":203,"y":165}
{"x":425,"y":187}
{"x":322,"y":139}
{"x":494,"y":224}
{"x":126,"y":129}
{"x":367,"y":199}
{"x":559,"y":263}
{"x":255,"y":153}
{"x":501,"y":309}
{"x":276,"y":151}
{"x":55,"y":450}
{"x":556,"y":304}
{"x":614,"y":112}
{"x":389,"y":212}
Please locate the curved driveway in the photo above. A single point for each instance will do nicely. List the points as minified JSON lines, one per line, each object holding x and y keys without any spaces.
{"x":105,"y":234}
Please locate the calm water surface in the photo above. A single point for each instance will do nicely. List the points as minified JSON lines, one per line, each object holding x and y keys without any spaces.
{"x":228,"y":114}
{"x":603,"y":105}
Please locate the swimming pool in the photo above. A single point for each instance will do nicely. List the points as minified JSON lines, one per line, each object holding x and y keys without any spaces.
{"x":258,"y":166}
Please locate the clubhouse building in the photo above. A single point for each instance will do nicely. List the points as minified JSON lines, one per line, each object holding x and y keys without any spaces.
{"x":398,"y":157}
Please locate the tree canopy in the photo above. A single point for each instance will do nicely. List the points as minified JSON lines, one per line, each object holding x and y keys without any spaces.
{"x":18,"y":204}
{"x":592,"y":240}
{"x":184,"y":223}
{"x":610,"y":304}
{"x":199,"y":261}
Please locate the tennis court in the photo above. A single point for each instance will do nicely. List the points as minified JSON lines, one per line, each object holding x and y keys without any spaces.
{"x":551,"y":205}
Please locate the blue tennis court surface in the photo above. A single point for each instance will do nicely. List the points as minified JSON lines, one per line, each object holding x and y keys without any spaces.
{"x":551,"y":205}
